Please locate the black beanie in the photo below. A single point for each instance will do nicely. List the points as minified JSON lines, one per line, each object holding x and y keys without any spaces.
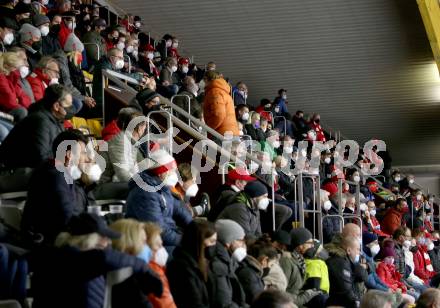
{"x":255,"y":189}
{"x":145,"y":96}
{"x":299,"y":236}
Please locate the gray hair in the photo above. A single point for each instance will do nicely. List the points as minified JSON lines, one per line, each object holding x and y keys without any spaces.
{"x":375,"y":299}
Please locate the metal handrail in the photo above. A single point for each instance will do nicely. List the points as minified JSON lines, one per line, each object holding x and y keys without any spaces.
{"x":129,"y":63}
{"x":285,"y":123}
{"x":169,"y":130}
{"x":97,"y":46}
{"x":336,"y":216}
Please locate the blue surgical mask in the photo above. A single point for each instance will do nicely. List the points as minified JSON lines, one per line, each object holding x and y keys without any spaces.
{"x":145,"y":254}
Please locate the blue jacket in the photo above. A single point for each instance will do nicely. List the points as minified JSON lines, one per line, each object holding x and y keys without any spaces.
{"x":51,"y":202}
{"x":281,"y":103}
{"x":374,"y":282}
{"x":159,"y":207}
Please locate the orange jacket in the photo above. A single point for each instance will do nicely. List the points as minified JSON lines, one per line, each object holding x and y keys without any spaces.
{"x":166,"y":300}
{"x":218,"y":108}
{"x":391,"y":221}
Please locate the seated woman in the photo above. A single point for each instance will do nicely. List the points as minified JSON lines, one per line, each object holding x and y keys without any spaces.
{"x":72,"y":274}
{"x":133,"y":241}
{"x":14,"y":100}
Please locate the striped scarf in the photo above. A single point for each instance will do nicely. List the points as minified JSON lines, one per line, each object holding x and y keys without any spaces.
{"x":300,"y":260}
{"x":426,"y":258}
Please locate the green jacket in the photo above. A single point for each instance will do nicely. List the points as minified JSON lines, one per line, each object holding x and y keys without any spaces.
{"x":266,"y":147}
{"x":295,"y":281}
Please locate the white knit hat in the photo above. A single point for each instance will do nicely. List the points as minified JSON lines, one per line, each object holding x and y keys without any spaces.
{"x":161,"y":161}
{"x":73,"y":44}
{"x":27,"y":31}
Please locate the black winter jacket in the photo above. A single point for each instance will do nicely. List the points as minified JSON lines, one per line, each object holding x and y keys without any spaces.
{"x":343,"y":274}
{"x":250,"y":275}
{"x":187,"y":284}
{"x":223,"y":285}
{"x":30,"y":141}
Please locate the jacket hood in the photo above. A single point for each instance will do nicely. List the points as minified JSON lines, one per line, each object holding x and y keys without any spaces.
{"x":220,"y":84}
{"x":334,"y":248}
{"x":252,"y":262}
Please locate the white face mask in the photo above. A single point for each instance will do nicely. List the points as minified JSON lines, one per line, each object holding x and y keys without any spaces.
{"x":363,"y":207}
{"x":239,"y":254}
{"x":327,"y":205}
{"x":284,"y":96}
{"x":185,"y":69}
{"x":411,"y":181}
{"x":245,"y":116}
{"x":174,"y":68}
{"x":94,"y":173}
{"x":175,"y":45}
{"x":74,"y":172}
{"x":53,"y":81}
{"x":407,"y":244}
{"x":135,"y":53}
{"x":375,"y":250}
{"x":419,"y":197}
{"x":129,"y":49}
{"x":397,"y":179}
{"x":277,"y":109}
{"x":24,"y":71}
{"x":288,"y":150}
{"x":8,"y":39}
{"x":137,"y":24}
{"x":44,"y":30}
{"x":276,"y":144}
{"x":192,"y":190}
{"x":119,"y":64}
{"x":430,"y":246}
{"x":327,"y":160}
{"x":71,"y":26}
{"x":373,"y":212}
{"x":171,"y":180}
{"x":263,"y":204}
{"x":161,"y":257}
{"x":357,"y":178}
{"x":120,"y":46}
{"x":150,"y":56}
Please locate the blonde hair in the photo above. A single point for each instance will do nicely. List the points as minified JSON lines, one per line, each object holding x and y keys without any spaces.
{"x":152,"y":230}
{"x":82,"y":242}
{"x":11,"y":59}
{"x":131,"y":236}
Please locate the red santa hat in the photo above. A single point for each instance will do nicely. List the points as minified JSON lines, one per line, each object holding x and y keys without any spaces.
{"x":161,"y":161}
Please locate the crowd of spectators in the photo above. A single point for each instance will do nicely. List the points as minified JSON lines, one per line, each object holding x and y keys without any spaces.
{"x":234,"y":247}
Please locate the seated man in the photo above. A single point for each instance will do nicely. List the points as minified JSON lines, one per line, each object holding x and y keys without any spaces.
{"x":246,"y":207}
{"x":150,"y":198}
{"x":344,"y":272}
{"x":30,"y":141}
{"x":123,"y":157}
{"x":114,"y":60}
{"x":235,"y":183}
{"x":54,"y":195}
